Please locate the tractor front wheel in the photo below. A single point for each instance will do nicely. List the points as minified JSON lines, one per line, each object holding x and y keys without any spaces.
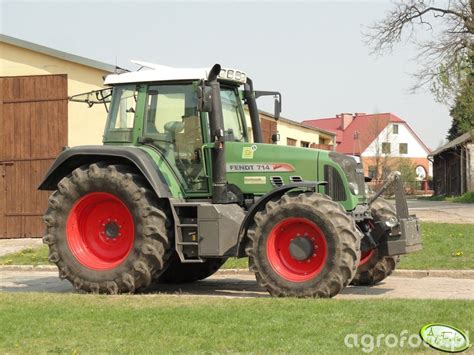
{"x":106,"y":230}
{"x":303,"y":245}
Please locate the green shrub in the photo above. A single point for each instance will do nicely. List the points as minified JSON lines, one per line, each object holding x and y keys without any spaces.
{"x":468,"y":197}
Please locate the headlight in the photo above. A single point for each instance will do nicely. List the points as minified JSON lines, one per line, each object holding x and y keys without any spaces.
{"x":354,"y":188}
{"x":391,"y":222}
{"x":233,"y":75}
{"x":366,"y":189}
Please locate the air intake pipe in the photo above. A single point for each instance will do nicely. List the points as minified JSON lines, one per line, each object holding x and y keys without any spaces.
{"x":220,"y":191}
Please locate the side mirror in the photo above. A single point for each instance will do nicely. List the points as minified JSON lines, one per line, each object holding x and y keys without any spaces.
{"x":204,"y":98}
{"x":277,"y":108}
{"x":277,"y":105}
{"x":275,"y":137}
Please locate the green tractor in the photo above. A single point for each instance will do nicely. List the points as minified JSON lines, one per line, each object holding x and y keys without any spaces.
{"x":178,"y":187}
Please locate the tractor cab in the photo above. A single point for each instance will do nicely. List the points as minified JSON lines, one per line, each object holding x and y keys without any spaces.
{"x":165,"y":116}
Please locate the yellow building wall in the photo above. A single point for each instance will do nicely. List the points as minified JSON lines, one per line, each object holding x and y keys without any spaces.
{"x":294,"y":131}
{"x":85,"y":125}
{"x":298,"y":133}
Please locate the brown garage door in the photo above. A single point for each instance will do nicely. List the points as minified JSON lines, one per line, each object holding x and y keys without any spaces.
{"x":33,"y":130}
{"x":269,"y":127}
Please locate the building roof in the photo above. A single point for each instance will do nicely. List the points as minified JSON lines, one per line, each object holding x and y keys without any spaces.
{"x":452,"y":144}
{"x":299,"y":124}
{"x":361,"y":131}
{"x":57,"y":54}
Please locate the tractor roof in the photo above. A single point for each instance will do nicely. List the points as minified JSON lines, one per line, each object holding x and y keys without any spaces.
{"x":149,"y":72}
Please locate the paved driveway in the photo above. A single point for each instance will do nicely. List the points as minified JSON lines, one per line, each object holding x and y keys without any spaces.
{"x":442,"y":212}
{"x":244,"y":285}
{"x":8,"y":246}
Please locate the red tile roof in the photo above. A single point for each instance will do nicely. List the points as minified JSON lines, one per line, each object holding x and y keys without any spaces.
{"x":366,"y":126}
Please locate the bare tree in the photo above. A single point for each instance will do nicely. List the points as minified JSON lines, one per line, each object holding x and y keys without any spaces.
{"x":446,"y":59}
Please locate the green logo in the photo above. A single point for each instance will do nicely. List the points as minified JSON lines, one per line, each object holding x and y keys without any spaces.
{"x":444,"y":337}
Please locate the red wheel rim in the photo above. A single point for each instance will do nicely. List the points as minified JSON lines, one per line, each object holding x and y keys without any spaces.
{"x":365,"y":256}
{"x":278,"y":249}
{"x":100,"y":231}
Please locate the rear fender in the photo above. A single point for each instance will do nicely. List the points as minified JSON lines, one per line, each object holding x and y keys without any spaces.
{"x":73,"y":158}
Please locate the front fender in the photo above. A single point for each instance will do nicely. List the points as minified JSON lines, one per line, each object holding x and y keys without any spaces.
{"x":73,"y":158}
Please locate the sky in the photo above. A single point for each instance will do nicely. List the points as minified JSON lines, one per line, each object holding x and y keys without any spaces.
{"x":313,"y":52}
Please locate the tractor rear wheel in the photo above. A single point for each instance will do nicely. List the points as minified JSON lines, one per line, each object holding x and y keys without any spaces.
{"x":303,"y":245}
{"x":106,"y":230}
{"x":178,"y":273}
{"x":373,"y":268}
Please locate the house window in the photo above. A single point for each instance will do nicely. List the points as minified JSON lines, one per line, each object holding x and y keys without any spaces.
{"x":305,"y":144}
{"x":403,"y":148}
{"x":395,"y":129}
{"x":386,"y":149}
{"x":372,"y":172}
{"x":291,"y":141}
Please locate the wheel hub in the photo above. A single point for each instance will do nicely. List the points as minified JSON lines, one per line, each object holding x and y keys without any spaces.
{"x":112,"y":230}
{"x":301,"y":248}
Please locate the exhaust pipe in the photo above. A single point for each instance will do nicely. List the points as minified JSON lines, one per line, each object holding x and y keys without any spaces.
{"x":253,"y":111}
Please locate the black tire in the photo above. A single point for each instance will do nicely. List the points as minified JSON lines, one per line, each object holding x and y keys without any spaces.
{"x":147,"y":253}
{"x":178,"y":273}
{"x":378,"y":267}
{"x":339,"y":232}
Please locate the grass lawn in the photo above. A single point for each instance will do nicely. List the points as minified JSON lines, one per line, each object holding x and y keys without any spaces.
{"x":44,"y":323}
{"x":28,"y":256}
{"x":445,"y":246}
{"x":468,"y":197}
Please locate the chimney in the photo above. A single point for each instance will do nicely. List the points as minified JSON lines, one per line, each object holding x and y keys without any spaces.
{"x":346,"y":119}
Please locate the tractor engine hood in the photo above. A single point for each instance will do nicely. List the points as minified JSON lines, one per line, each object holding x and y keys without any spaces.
{"x":258,"y":168}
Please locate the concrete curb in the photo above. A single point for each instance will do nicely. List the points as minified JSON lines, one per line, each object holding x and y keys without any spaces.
{"x":454,"y":274}
{"x":418,"y":274}
{"x":28,"y":268}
